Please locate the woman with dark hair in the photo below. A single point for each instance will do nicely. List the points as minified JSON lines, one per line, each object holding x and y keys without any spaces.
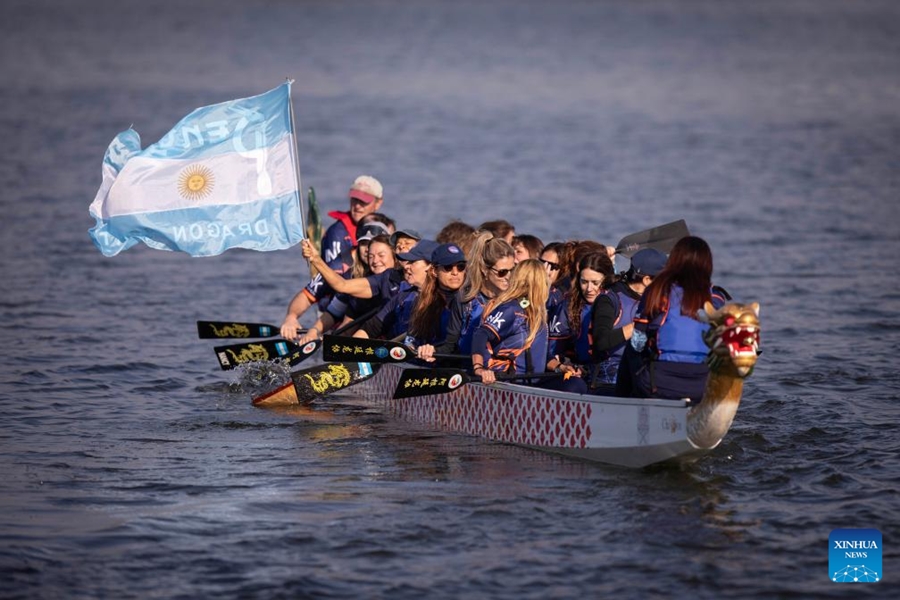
{"x":431,"y":313}
{"x":419,"y":312}
{"x":557,"y":260}
{"x":612,"y":317}
{"x":393,"y":318}
{"x":487,"y":275}
{"x":667,"y":354}
{"x":595,"y":275}
{"x":527,"y":246}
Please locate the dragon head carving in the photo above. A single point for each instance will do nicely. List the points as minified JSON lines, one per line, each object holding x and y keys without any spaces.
{"x":733,"y":337}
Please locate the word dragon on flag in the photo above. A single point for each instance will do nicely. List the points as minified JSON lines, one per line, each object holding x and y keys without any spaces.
{"x":224,"y":177}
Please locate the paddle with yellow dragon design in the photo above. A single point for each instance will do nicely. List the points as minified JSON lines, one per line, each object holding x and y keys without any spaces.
{"x":235,"y":354}
{"x":313,"y":383}
{"x":209,"y":330}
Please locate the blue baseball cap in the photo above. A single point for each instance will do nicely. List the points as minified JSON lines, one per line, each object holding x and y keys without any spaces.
{"x":410,"y":233}
{"x":648,"y":261}
{"x":447,"y":254}
{"x":421,"y":251}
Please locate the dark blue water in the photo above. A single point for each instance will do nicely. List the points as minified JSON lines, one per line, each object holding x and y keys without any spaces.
{"x":131,"y":467}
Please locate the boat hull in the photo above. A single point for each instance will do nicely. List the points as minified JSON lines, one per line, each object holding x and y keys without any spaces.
{"x":620,"y":431}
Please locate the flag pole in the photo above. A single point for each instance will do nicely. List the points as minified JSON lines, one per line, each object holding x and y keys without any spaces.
{"x":296,"y":156}
{"x":297,"y":167}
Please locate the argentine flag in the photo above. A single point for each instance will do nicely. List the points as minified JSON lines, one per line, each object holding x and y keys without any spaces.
{"x":224,"y":177}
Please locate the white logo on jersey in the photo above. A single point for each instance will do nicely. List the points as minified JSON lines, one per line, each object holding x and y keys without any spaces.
{"x":333,"y":253}
{"x":555,"y":324}
{"x":496,"y":320}
{"x":316,"y":283}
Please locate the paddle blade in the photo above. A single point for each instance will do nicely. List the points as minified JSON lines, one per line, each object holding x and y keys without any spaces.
{"x":662,"y":238}
{"x":233,"y":329}
{"x":321,"y":380}
{"x":235,"y":354}
{"x":423,"y":382}
{"x":341,"y":348}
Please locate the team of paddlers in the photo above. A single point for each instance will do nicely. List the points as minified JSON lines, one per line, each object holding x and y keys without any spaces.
{"x":503,"y":302}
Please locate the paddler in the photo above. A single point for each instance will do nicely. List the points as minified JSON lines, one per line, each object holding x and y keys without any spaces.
{"x":666,"y":357}
{"x":366,"y":197}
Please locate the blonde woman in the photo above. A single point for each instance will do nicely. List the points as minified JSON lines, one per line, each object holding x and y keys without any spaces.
{"x":513,"y":336}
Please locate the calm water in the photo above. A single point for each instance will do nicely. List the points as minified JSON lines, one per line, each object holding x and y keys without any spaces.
{"x":129,"y":467}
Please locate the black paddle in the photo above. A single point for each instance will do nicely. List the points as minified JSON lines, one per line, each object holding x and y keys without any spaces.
{"x":232,"y":355}
{"x":308,"y":384}
{"x":339,"y":348}
{"x":235,"y":354}
{"x":424,"y":382}
{"x":662,"y":238}
{"x":232,"y":329}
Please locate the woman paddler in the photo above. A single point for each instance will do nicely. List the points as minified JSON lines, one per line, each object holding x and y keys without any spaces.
{"x":487,"y":274}
{"x":512,"y":337}
{"x":381,"y":281}
{"x":612,"y":318}
{"x":420,"y":311}
{"x":667,"y":355}
{"x":366,"y":197}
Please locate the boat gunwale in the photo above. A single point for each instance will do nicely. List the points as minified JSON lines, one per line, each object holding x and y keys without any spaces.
{"x":538,"y":391}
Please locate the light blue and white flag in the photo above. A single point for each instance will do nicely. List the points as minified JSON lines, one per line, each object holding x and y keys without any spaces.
{"x":224,"y":177}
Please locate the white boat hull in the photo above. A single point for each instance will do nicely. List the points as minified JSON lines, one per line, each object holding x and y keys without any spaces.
{"x":620,"y":431}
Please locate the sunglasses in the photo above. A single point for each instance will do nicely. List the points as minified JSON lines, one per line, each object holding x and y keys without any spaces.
{"x":501,"y":272}
{"x":461,"y":267}
{"x":551,"y":265}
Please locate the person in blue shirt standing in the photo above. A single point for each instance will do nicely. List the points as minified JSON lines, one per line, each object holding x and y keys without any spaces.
{"x":667,"y":355}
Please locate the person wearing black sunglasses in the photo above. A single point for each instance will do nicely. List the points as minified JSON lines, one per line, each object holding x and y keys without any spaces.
{"x":488,"y":274}
{"x":512,"y":337}
{"x":431,"y":312}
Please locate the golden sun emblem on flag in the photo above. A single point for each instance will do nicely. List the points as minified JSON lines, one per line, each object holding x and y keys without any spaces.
{"x":196,"y":182}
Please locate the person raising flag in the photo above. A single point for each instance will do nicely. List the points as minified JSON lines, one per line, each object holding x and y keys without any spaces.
{"x":366,"y":197}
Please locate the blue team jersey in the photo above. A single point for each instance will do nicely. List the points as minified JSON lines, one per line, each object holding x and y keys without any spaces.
{"x":507,"y":332}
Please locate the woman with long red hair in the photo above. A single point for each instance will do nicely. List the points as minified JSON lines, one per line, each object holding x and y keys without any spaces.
{"x":667,"y":357}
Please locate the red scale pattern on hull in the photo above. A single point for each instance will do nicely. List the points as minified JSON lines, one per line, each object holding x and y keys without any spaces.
{"x":516,"y":417}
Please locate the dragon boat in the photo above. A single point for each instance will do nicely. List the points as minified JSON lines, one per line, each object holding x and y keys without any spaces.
{"x":631,"y":432}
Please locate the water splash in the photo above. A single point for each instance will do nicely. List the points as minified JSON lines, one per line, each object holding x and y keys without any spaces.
{"x":262,"y":376}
